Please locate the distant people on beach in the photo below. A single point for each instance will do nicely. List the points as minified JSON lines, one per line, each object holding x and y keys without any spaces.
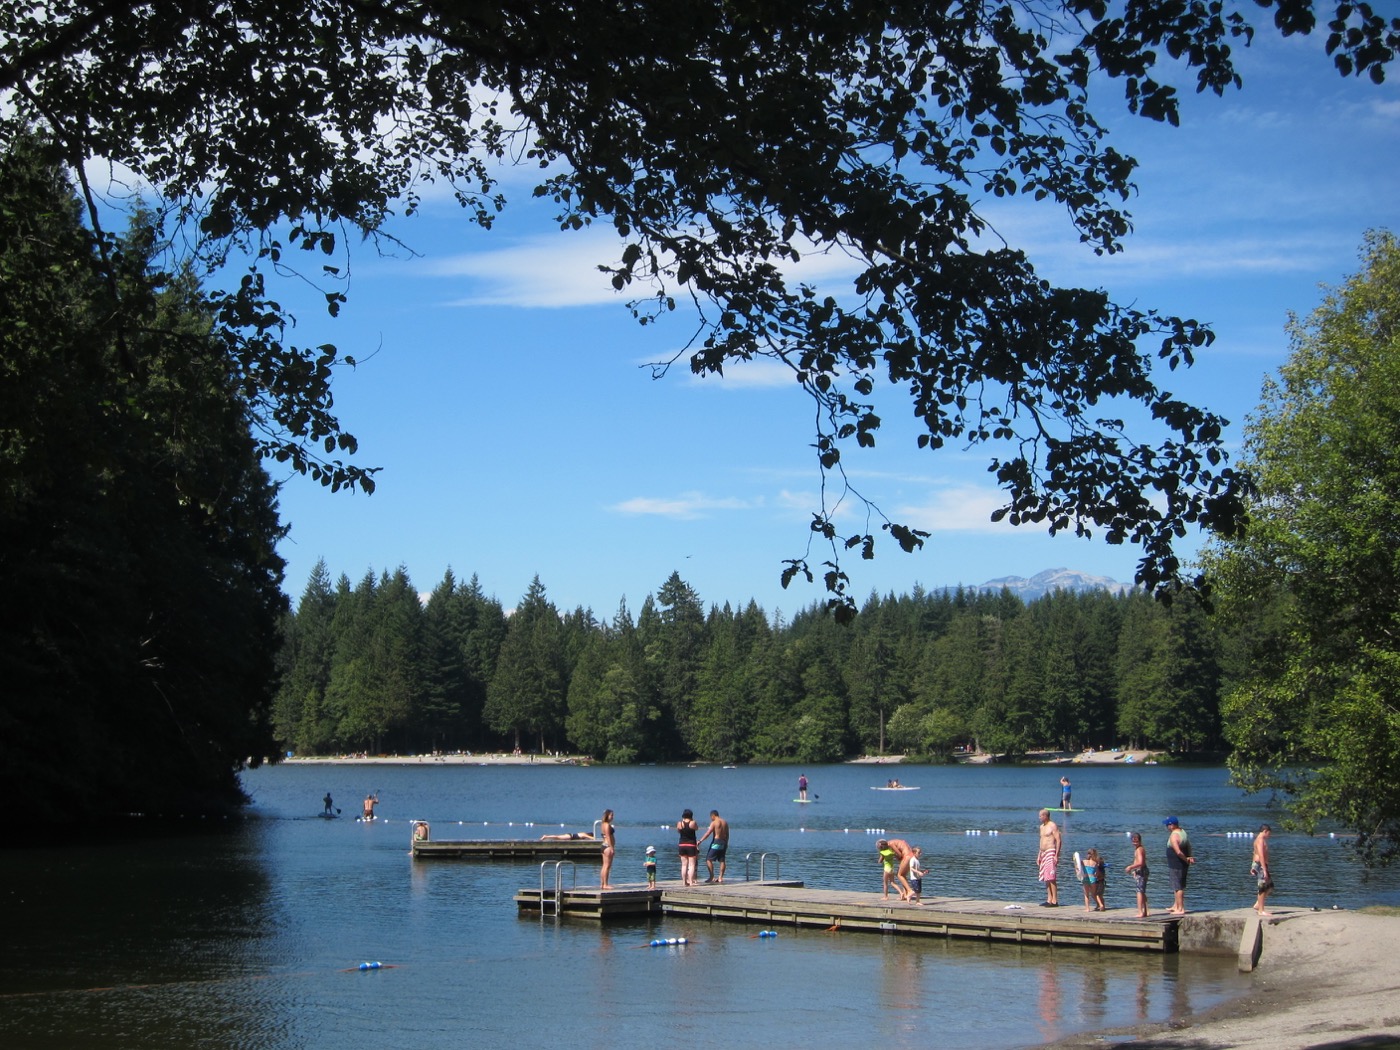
{"x":802,"y":787}
{"x":606,"y":832}
{"x":1138,"y":870}
{"x":1179,"y":862}
{"x":1259,"y":868}
{"x":649,"y":866}
{"x":718,"y":834}
{"x":1047,"y":859}
{"x":688,"y":848}
{"x":370,"y":802}
{"x":1064,"y":793}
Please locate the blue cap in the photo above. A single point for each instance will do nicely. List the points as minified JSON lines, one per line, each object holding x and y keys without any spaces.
{"x":1171,"y":820}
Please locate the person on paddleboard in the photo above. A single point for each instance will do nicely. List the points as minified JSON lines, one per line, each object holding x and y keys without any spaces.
{"x":802,"y":787}
{"x":1064,"y":793}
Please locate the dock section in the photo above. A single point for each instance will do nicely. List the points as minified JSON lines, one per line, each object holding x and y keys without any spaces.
{"x":592,"y":902}
{"x":546,"y":848}
{"x":777,"y":903}
{"x":507,"y":849}
{"x":773,"y":905}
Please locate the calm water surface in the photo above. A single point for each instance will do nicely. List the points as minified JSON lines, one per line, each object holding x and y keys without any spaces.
{"x":250,"y":936}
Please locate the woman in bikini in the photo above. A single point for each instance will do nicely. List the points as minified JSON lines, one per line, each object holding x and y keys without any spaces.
{"x":689,"y":849}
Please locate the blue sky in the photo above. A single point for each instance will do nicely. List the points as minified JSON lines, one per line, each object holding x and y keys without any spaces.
{"x":504,"y":388}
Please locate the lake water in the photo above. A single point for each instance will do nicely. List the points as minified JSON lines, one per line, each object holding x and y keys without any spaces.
{"x":250,"y":935}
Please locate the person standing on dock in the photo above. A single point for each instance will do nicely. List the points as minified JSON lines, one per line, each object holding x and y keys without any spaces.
{"x":1138,"y":870}
{"x":1047,"y":859}
{"x":1064,"y":793}
{"x":1179,"y":861}
{"x":649,"y":866}
{"x":689,"y":850}
{"x":802,"y":787}
{"x":605,"y":832}
{"x":718,"y":834}
{"x":1264,"y":881}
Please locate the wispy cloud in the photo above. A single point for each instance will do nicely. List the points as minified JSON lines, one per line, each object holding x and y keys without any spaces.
{"x":685,"y":507}
{"x":561,"y":270}
{"x":956,"y":508}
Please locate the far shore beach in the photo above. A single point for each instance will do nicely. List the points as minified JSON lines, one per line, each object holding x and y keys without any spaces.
{"x":501,"y":758}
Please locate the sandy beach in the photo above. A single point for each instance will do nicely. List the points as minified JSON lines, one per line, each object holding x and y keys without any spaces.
{"x":457,"y":758}
{"x":1324,"y":979}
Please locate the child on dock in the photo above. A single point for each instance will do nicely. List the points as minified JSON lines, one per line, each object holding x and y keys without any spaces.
{"x":650,"y":865}
{"x":1090,"y":877}
{"x":916,"y":876}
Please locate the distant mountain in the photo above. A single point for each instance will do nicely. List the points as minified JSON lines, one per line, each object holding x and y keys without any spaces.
{"x":1042,"y":583}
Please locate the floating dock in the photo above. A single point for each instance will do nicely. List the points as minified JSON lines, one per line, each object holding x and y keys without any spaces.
{"x":982,"y":920}
{"x":425,"y":847}
{"x":776,"y":903}
{"x":593,"y":902}
{"x":507,"y":849}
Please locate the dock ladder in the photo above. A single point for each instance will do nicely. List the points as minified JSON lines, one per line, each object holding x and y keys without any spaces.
{"x":558,"y":884}
{"x":762,"y":861}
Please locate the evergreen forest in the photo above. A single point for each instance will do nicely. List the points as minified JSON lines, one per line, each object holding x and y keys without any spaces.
{"x":374,"y":668}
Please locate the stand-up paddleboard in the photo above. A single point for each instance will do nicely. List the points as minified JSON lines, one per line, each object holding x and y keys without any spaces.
{"x":1078,"y":866}
{"x":1061,"y":809}
{"x":900,"y":788}
{"x":804,"y":801}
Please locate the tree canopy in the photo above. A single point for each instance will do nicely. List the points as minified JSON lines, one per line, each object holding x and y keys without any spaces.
{"x":138,"y":530}
{"x":723,"y":143}
{"x":1315,"y":580}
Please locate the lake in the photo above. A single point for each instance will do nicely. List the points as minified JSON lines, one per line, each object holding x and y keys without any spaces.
{"x":250,"y":935}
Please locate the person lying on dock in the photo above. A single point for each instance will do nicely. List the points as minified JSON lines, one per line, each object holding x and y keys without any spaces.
{"x":565,"y":838}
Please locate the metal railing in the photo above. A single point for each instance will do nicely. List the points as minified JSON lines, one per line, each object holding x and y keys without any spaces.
{"x":558,"y":884}
{"x":762,"y":862}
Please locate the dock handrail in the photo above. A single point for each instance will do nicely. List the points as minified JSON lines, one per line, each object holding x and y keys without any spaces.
{"x":762,"y":859}
{"x":558,"y":884}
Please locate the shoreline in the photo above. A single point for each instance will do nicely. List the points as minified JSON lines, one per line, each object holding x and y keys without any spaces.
{"x":500,"y":758}
{"x":1324,"y":979}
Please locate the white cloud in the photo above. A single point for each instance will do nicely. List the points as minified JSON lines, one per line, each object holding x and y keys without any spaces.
{"x":959,"y":508}
{"x":685,"y":507}
{"x":539,"y":272}
{"x":752,"y":375}
{"x":561,"y":270}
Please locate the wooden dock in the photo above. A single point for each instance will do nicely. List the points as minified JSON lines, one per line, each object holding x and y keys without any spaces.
{"x":779,"y":903}
{"x":937,"y":917}
{"x":508,"y":849}
{"x":593,"y":902}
